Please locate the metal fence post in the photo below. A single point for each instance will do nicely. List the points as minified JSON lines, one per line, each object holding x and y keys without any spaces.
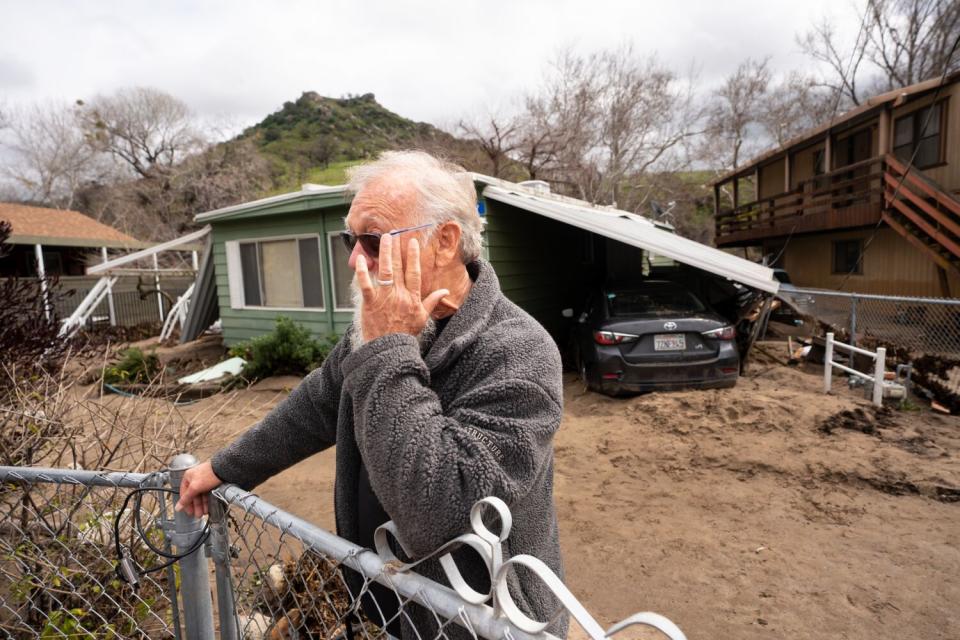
{"x":194,"y":580}
{"x":828,"y":363}
{"x":110,"y":308}
{"x":878,"y":373}
{"x":156,"y":282}
{"x":220,"y":549}
{"x":853,"y":329}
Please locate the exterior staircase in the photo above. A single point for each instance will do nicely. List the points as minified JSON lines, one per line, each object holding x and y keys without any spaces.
{"x":923,"y":213}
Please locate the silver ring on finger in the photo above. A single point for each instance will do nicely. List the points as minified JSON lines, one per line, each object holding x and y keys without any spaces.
{"x":384,"y":283}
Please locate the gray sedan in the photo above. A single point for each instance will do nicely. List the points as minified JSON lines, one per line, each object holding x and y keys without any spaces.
{"x":653,"y":335}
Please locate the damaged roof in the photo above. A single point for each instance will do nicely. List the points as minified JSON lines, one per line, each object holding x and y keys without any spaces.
{"x":631,"y":229}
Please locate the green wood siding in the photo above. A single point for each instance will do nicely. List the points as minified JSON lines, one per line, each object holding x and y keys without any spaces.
{"x":543,"y":265}
{"x":243,"y":324}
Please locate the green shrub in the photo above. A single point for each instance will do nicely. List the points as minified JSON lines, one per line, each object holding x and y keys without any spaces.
{"x":134,"y":366}
{"x":287,"y":350}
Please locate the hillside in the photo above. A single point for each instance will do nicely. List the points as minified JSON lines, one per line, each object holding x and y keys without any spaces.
{"x":315,"y":138}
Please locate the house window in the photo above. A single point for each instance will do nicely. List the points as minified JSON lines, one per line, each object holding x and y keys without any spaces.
{"x":910,"y":136}
{"x":279,"y":273}
{"x":342,"y":273}
{"x":847,"y":257}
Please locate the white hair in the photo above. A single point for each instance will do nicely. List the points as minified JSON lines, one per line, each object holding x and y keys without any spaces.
{"x":444,"y":192}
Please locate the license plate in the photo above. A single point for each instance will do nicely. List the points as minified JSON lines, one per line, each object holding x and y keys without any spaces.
{"x":669,"y":342}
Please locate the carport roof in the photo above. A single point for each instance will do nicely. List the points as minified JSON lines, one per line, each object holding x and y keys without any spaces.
{"x":634,"y":230}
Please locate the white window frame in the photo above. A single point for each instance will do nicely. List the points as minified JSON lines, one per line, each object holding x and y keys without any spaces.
{"x":235,"y":272}
{"x":334,"y":236}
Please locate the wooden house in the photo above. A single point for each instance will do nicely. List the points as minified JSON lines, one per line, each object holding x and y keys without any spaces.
{"x":56,"y":242}
{"x":837,"y":207}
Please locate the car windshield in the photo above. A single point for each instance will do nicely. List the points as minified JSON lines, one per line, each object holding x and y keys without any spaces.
{"x":656,"y":302}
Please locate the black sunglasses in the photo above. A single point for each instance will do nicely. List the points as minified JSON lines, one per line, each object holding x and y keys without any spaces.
{"x":370,"y":242}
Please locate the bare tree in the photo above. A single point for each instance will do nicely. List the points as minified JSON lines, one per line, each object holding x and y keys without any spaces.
{"x":51,"y":159}
{"x":793,"y":105}
{"x":644,"y":113}
{"x":147,"y":130}
{"x":601,"y":125}
{"x":843,"y":66}
{"x":737,"y":108}
{"x":901,"y":42}
{"x":161,"y":208}
{"x":911,"y":40}
{"x":558,"y":126}
{"x":497,"y":136}
{"x":537,"y":140}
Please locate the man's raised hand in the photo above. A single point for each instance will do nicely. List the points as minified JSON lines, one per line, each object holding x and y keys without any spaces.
{"x":395,"y":307}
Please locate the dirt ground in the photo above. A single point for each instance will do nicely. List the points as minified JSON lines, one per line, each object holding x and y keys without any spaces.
{"x":767,"y":510}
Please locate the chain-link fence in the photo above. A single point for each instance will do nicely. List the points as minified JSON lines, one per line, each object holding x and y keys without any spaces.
{"x":928,"y":326}
{"x":921,"y":331}
{"x":274,"y":575}
{"x":58,"y":559}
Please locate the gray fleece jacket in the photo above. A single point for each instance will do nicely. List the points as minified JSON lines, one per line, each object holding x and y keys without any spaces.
{"x":437,"y":426}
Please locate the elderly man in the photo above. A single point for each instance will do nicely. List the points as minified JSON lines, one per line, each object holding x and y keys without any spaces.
{"x":442,"y":392}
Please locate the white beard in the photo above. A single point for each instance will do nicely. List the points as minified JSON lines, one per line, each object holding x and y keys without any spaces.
{"x":428,"y":331}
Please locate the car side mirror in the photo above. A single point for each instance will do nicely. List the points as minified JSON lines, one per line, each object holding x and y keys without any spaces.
{"x":567,"y":313}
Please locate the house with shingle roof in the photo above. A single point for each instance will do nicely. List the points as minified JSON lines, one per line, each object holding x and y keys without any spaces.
{"x":56,"y":242}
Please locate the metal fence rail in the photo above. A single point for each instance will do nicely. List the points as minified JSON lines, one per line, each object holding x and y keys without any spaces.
{"x":920,"y":325}
{"x":276,"y":575}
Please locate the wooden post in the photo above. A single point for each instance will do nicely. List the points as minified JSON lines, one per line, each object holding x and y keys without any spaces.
{"x":883,"y":133}
{"x":755,"y":330}
{"x":828,"y":153}
{"x":736,"y":192}
{"x":878,"y":370}
{"x":787,"y":170}
{"x":112,"y":310}
{"x":716,"y":201}
{"x":42,"y":274}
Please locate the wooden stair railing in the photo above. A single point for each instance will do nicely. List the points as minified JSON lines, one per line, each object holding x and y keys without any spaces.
{"x":923,"y":213}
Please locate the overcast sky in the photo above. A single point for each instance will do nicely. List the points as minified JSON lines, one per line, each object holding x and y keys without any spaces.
{"x":430,"y":61}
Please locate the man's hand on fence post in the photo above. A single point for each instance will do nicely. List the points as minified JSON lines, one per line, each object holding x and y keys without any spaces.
{"x":195,"y":489}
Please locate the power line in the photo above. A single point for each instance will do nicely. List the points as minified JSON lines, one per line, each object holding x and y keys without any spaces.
{"x":909,"y":165}
{"x":833,"y":115}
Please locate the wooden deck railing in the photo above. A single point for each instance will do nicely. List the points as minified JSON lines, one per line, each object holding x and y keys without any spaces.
{"x":922,"y":204}
{"x":849,"y":196}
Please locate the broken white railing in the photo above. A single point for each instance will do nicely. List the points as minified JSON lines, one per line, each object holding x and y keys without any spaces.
{"x":880,"y":363}
{"x":93,"y":299}
{"x":110,"y":270}
{"x":177,"y":314}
